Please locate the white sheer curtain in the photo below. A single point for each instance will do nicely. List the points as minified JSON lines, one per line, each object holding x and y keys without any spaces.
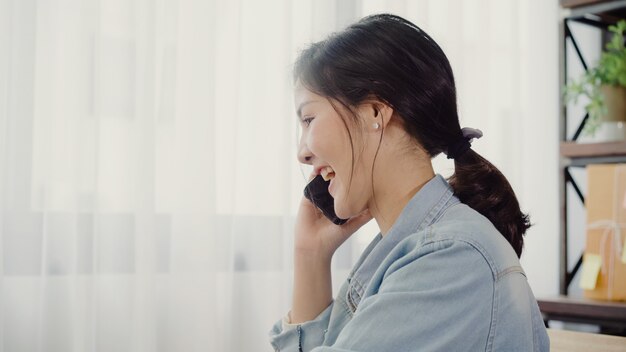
{"x":148,"y":178}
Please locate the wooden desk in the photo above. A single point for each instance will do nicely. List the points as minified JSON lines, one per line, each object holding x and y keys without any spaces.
{"x":571,"y":341}
{"x":581,"y":310}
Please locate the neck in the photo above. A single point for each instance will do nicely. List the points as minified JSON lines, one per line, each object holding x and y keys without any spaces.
{"x":394,"y":190}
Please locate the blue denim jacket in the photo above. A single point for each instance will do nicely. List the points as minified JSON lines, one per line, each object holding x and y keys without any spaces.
{"x":442,"y":279}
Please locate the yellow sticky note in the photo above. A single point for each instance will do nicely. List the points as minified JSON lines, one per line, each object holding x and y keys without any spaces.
{"x":590,"y":271}
{"x":624,"y":253}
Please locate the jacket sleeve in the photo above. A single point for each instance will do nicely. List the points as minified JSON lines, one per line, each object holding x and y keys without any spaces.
{"x":300,"y":337}
{"x":436,"y":298}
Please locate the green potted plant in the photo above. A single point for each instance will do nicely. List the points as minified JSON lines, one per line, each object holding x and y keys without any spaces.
{"x":604,"y":85}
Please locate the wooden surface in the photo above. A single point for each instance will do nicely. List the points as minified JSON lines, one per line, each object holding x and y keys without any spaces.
{"x":585,"y":150}
{"x":575,"y":3}
{"x":563,"y":308}
{"x":570,"y":341}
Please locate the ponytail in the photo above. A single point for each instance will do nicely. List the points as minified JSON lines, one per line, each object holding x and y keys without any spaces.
{"x":480,"y":185}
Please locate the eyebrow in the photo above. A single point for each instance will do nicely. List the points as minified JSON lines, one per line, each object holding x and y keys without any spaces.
{"x":303,"y":105}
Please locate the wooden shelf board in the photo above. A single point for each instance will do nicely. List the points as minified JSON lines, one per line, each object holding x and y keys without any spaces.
{"x":576,"y":3}
{"x":587,"y":150}
{"x":610,"y":10}
{"x":583,"y":310}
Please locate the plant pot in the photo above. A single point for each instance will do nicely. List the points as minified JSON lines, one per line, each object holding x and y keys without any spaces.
{"x":609,"y":131}
{"x":615,"y":101}
{"x":612,"y":125}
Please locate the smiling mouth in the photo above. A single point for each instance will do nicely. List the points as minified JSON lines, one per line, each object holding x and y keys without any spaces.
{"x":327,"y":173}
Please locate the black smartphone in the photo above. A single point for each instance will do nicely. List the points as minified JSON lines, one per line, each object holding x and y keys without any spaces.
{"x":317,"y":192}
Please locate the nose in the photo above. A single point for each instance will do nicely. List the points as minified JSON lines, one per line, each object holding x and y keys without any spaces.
{"x":304,"y":154}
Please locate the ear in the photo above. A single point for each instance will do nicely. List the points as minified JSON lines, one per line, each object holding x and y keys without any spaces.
{"x":375,"y":111}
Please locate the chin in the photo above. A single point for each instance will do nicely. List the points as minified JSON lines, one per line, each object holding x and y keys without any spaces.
{"x":342,"y":211}
{"x":339,"y":210}
{"x":342,"y":215}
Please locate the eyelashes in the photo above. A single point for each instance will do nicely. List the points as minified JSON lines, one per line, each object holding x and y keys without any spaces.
{"x":307,"y":121}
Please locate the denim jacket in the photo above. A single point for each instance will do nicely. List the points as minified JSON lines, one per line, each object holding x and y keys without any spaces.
{"x":442,"y":279}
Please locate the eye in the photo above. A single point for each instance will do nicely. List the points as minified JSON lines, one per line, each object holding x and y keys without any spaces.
{"x":307,"y":120}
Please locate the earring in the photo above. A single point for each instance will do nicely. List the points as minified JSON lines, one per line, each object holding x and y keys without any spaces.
{"x":376,"y":125}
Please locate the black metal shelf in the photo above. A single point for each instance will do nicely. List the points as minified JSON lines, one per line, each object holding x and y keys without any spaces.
{"x":573,"y":154}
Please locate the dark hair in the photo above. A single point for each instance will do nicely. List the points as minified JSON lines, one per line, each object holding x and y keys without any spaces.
{"x":389,"y":58}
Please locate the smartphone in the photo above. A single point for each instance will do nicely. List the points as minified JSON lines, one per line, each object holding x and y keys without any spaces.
{"x":317,"y":192}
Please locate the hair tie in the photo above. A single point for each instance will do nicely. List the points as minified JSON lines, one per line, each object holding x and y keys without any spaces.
{"x":459,"y":148}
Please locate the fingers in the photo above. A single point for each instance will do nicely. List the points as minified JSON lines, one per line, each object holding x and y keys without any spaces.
{"x":309,"y":210}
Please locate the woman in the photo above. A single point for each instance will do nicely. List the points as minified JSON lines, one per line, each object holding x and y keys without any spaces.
{"x":376,"y":103}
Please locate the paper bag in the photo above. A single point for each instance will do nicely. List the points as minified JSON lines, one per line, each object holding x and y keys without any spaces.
{"x":606,"y":233}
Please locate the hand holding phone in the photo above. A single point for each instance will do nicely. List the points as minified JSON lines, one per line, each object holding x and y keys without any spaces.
{"x":317,"y":192}
{"x":314,"y":234}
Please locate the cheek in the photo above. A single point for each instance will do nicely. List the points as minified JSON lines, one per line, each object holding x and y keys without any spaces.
{"x":361,"y":181}
{"x":361,"y":184}
{"x":329,"y":143}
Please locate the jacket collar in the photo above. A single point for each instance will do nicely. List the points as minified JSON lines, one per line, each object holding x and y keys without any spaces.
{"x":421,"y":211}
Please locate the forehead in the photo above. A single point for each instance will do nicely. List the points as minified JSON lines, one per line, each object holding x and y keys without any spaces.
{"x":304,"y":97}
{"x":302,"y":94}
